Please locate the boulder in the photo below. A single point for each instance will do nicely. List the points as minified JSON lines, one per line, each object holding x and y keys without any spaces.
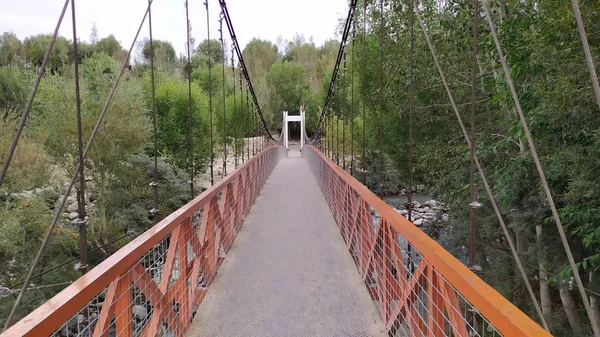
{"x":73,"y":215}
{"x":92,"y":196}
{"x":72,"y":207}
{"x":139,"y":311}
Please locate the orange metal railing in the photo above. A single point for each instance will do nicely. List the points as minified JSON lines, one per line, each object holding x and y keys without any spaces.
{"x":153,"y":285}
{"x":419,"y":288}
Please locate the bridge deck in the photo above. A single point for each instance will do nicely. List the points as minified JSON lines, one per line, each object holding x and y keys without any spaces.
{"x":288,"y":273}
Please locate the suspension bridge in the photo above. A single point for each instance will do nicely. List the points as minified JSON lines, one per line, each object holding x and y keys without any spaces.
{"x":289,"y":243}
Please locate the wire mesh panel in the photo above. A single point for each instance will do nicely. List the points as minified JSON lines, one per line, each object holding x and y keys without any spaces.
{"x":154,"y":285}
{"x":418,"y":287}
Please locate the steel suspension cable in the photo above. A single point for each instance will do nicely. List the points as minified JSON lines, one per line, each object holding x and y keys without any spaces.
{"x":328,"y":135}
{"x":473,"y":189}
{"x":337,"y":122}
{"x":542,"y":175}
{"x":262,"y":137}
{"x":81,"y":221}
{"x":381,"y":168}
{"x":63,"y":200}
{"x":248,"y":118}
{"x":411,"y":88}
{"x":533,"y":266}
{"x":242,"y":63}
{"x":364,"y":93}
{"x":242,"y":115}
{"x":344,"y":111}
{"x":256,"y":134}
{"x":210,"y":109}
{"x":343,"y":107}
{"x":154,"y":183}
{"x":29,"y":104}
{"x":224,"y":127}
{"x":352,"y":99}
{"x":331,"y":134}
{"x":482,"y":174}
{"x":190,"y":113}
{"x":91,"y":251}
{"x":589,"y":60}
{"x":234,"y":115}
{"x":251,"y":128}
{"x":336,"y":67}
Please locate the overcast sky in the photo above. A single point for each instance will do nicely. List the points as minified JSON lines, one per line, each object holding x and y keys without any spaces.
{"x":265,"y":19}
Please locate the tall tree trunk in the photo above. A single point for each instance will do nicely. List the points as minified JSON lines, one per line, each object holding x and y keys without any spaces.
{"x":543,"y":275}
{"x":594,"y":304}
{"x":570,"y":309}
{"x":101,"y":199}
{"x":519,"y":286}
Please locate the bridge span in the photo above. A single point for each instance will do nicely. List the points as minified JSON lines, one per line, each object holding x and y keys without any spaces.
{"x":318,"y":255}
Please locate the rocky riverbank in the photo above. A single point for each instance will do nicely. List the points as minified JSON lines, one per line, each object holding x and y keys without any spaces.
{"x":220,"y":170}
{"x":430,"y":213}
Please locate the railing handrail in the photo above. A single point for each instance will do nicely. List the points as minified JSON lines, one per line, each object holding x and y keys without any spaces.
{"x":503,"y":315}
{"x":60,"y":308}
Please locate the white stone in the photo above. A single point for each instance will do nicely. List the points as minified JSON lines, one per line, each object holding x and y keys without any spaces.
{"x":433,"y":203}
{"x":72,"y":208}
{"x":402,"y":211}
{"x":73,"y":215}
{"x":139,"y":311}
{"x":445,"y":217}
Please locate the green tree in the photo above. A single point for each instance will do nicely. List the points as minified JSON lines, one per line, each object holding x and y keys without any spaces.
{"x":124,"y":129}
{"x":11,"y":49}
{"x":111,"y":47}
{"x":173,"y":122}
{"x":259,"y":56}
{"x":12,"y":91}
{"x":288,"y":81}
{"x":164,"y":53}
{"x":212,"y":48}
{"x":35,"y":48}
{"x":22,"y":229}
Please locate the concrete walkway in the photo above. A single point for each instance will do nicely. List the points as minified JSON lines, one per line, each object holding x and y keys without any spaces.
{"x":289,"y":272}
